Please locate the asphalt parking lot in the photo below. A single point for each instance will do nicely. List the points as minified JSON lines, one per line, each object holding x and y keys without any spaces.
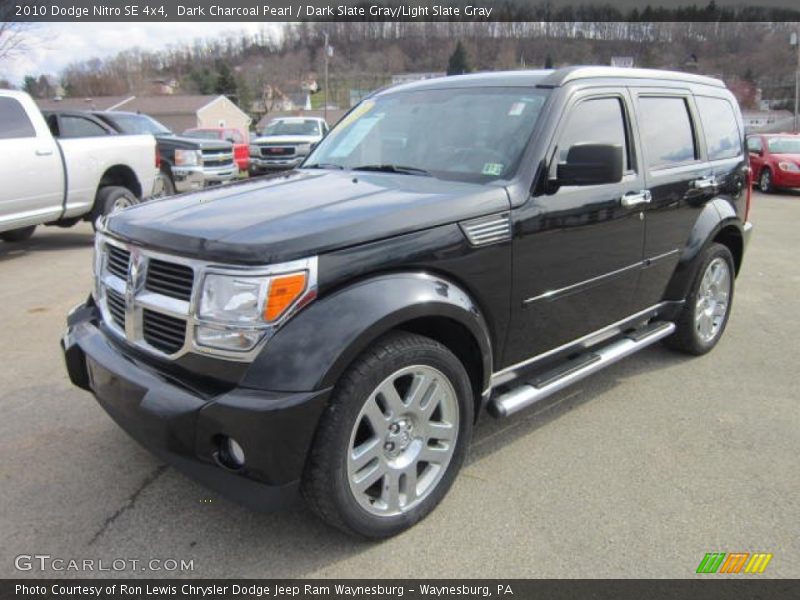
{"x":636,"y":472}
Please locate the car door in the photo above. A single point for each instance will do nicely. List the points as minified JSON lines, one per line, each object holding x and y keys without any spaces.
{"x":577,"y":250}
{"x":678,"y":178}
{"x":32,"y":191}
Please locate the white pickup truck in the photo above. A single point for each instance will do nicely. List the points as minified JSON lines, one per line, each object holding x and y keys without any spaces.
{"x":61,"y":182}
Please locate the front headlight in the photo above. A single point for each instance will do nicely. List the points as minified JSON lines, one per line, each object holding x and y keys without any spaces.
{"x":235,"y":311}
{"x":788,"y":166}
{"x":97,"y":265}
{"x":188,"y":158}
{"x":303,"y":148}
{"x":255,"y":150}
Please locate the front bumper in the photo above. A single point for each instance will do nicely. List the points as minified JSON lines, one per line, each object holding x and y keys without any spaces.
{"x":786,"y":179}
{"x":183,"y":423}
{"x":189,"y":179}
{"x":258,"y":163}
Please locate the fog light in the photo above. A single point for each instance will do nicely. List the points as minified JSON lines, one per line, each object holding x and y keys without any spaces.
{"x":227,"y":339}
{"x":231,"y":454}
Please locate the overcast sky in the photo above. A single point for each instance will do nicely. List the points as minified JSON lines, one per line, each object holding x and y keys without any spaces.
{"x":55,"y":45}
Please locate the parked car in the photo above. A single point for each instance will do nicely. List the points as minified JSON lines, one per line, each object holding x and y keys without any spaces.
{"x":775,"y":160}
{"x":338,"y":330}
{"x":241,"y":147}
{"x":62,"y":181}
{"x":187,"y":164}
{"x":285,"y":142}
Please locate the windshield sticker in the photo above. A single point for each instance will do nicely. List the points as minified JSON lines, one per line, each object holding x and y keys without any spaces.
{"x":354,"y":136}
{"x":516,"y":109}
{"x":358,"y":111}
{"x":492,"y":169}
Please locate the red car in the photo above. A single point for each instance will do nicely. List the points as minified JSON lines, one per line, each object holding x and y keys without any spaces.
{"x":775,"y":160}
{"x":241,"y":147}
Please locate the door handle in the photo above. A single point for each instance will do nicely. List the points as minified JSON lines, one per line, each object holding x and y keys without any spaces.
{"x":705,"y":183}
{"x":44,"y":152}
{"x":632,"y":199}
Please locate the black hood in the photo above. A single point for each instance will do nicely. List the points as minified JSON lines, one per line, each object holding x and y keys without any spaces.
{"x":191,"y":143}
{"x":301,"y":214}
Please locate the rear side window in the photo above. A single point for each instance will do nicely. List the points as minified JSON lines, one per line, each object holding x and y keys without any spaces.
{"x":667,"y":131}
{"x":14,"y":123}
{"x":598,"y":121}
{"x":723,"y":139}
{"x":77,"y":127}
{"x":754,"y":144}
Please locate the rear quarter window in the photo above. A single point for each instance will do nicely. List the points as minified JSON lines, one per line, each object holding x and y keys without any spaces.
{"x":723,"y":138}
{"x":14,"y":122}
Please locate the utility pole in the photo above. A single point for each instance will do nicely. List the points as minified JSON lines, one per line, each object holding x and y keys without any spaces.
{"x":794,"y":40}
{"x":327,"y":55}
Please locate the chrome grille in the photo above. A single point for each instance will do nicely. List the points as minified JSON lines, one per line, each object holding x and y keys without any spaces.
{"x":118,"y":261}
{"x":163,"y":332}
{"x":170,"y":279}
{"x":217,"y":158}
{"x":277,"y":151}
{"x":116,"y":306}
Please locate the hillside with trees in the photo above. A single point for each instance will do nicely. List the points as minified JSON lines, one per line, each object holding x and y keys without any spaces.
{"x":251,"y":69}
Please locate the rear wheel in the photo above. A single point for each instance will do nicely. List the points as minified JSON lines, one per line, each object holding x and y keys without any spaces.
{"x":705,"y":314}
{"x":393,"y":438}
{"x":110,"y":200}
{"x":18,"y":235}
{"x":765,"y":181}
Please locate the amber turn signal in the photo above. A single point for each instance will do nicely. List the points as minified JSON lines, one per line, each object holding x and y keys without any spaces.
{"x":283,"y":291}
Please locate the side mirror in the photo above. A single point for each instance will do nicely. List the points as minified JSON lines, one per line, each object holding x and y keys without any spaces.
{"x":591,"y":164}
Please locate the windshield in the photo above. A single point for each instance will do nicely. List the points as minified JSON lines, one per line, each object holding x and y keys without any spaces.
{"x":292,"y":127}
{"x":202,"y":134}
{"x":784,"y":145}
{"x":139,"y":124}
{"x":473,"y":135}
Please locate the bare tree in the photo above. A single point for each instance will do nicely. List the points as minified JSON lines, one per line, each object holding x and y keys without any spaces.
{"x":12,"y":39}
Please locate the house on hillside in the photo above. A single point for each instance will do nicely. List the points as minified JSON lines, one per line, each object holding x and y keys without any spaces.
{"x":178,"y":112}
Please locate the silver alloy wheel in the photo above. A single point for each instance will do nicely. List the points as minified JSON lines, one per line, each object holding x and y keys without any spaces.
{"x":765,"y":182}
{"x":713,"y":300}
{"x":402,"y":441}
{"x":120,"y":203}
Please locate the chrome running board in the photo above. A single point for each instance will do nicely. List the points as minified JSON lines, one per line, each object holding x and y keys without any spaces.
{"x":577,"y":368}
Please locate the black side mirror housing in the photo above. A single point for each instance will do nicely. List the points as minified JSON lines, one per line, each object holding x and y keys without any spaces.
{"x":591,"y":164}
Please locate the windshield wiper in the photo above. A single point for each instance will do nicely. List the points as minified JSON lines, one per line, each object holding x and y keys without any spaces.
{"x":323,"y":166}
{"x":394,"y":169}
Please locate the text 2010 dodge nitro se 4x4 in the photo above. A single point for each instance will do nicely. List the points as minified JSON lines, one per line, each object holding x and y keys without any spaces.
{"x":454,"y":244}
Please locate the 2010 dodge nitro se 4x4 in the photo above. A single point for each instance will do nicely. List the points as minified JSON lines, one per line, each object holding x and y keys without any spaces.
{"x":456,"y":244}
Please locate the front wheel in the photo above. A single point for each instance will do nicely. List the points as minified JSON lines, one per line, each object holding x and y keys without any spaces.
{"x":765,"y":182}
{"x":708,"y":306}
{"x":393,"y":438}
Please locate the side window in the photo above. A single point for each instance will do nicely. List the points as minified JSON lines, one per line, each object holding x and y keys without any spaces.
{"x":14,"y":123}
{"x":754,"y":144}
{"x":599,"y":121}
{"x":77,"y":127}
{"x":723,"y":139}
{"x":667,"y":132}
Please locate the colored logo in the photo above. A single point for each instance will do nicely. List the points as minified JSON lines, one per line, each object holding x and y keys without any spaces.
{"x":734,"y":562}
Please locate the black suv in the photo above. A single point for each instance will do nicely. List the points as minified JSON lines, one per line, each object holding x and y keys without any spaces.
{"x":456,"y":244}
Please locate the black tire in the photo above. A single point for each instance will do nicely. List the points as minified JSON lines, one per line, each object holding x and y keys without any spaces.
{"x":110,"y":199}
{"x":325,"y":485}
{"x":765,"y":184}
{"x":687,"y":338}
{"x":164,"y":186}
{"x":18,"y":235}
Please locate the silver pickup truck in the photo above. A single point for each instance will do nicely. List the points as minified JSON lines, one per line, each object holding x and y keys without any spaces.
{"x":60,"y":182}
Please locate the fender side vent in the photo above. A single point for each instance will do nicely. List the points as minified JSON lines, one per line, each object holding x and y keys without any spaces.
{"x":488,"y":230}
